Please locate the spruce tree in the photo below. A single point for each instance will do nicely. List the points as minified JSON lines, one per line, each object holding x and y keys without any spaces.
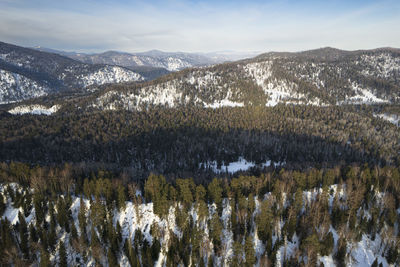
{"x":32,"y":233}
{"x":62,"y":216}
{"x":82,"y":220}
{"x":112,"y":259}
{"x":2,"y":204}
{"x":23,"y":235}
{"x":44,"y":258}
{"x":121,"y":198}
{"x":249,"y":251}
{"x":62,"y":255}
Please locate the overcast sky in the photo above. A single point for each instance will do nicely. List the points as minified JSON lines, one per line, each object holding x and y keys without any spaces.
{"x":200,"y":26}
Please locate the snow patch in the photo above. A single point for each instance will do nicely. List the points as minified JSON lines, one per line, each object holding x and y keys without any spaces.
{"x":110,"y":74}
{"x":392,"y":118}
{"x":362,"y":96}
{"x":34,"y":109}
{"x":240,"y":165}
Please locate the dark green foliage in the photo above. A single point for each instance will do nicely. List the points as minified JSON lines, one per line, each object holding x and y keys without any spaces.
{"x":215,"y":193}
{"x":2,"y":205}
{"x":310,"y":247}
{"x":156,"y":190}
{"x":131,"y":254}
{"x":264,"y":220}
{"x":44,"y":258}
{"x":215,"y":232}
{"x":179,"y":141}
{"x":155,"y":249}
{"x":52,"y":236}
{"x":33,"y":234}
{"x":121,"y":197}
{"x":341,"y":253}
{"x":305,"y":218}
{"x":327,"y":245}
{"x":112,"y":259}
{"x":82,"y":220}
{"x":375,"y":263}
{"x":393,"y":254}
{"x":62,"y":212}
{"x":38,"y":202}
{"x":23,"y":235}
{"x":62,"y":255}
{"x":249,"y":251}
{"x":186,"y":189}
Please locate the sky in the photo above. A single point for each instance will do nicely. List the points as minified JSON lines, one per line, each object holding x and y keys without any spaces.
{"x":200,"y":26}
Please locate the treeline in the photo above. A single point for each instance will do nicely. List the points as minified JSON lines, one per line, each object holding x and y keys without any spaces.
{"x":354,"y":201}
{"x":178,"y":142}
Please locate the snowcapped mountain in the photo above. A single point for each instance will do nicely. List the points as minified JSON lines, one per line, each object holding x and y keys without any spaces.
{"x":170,"y":61}
{"x":27,"y":73}
{"x":318,"y":77}
{"x":157,"y":59}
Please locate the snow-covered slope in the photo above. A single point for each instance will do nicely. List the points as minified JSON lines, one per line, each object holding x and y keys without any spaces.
{"x":312,"y":78}
{"x":109,"y":74}
{"x":27,"y":73}
{"x":15,"y":87}
{"x":318,"y":77}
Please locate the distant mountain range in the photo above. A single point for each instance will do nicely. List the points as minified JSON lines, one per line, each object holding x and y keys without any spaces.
{"x":325,"y":76}
{"x":171,"y":61}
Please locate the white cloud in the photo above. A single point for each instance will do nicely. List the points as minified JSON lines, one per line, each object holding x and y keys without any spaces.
{"x":91,"y":26}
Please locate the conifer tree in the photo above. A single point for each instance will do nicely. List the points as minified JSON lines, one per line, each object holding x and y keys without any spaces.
{"x":121,"y":197}
{"x":62,"y":255}
{"x":112,"y":259}
{"x":62,"y":216}
{"x":52,"y":236}
{"x":264,"y":219}
{"x":23,"y":235}
{"x":82,"y":220}
{"x":44,"y":258}
{"x":215,"y":192}
{"x":33,"y":234}
{"x":249,"y":251}
{"x":39,"y":207}
{"x":216,"y":231}
{"x":2,"y":204}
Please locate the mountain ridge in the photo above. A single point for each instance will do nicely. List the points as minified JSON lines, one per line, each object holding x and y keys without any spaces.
{"x":324,"y":76}
{"x":27,"y":73}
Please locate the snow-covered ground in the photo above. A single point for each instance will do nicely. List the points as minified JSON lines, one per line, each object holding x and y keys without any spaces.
{"x":362,"y":96}
{"x":240,"y":165}
{"x":34,"y":109}
{"x":392,"y":118}
{"x":142,"y":217}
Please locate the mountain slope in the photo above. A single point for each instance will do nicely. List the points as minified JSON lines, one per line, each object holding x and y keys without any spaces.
{"x":27,"y":73}
{"x":318,"y":77}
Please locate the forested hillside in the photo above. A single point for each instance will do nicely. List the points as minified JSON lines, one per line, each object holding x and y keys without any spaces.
{"x":192,"y":141}
{"x":66,"y":216}
{"x":317,"y":77}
